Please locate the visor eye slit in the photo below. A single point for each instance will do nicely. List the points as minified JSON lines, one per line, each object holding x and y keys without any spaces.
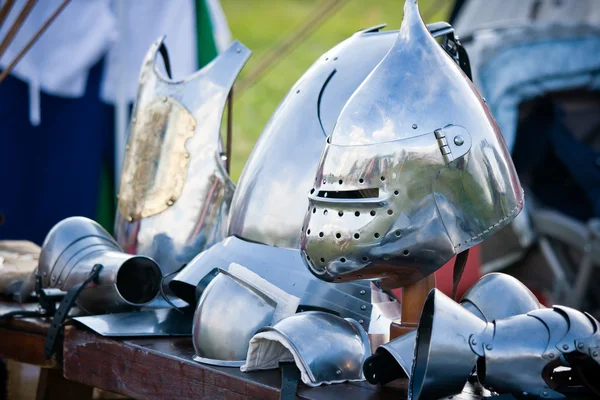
{"x":367,"y":193}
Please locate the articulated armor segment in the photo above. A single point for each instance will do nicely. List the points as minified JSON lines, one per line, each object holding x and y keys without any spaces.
{"x":175,"y":194}
{"x":393,"y":360}
{"x":326,"y":348}
{"x":283,"y":268}
{"x":74,"y":246}
{"x":414,"y":172}
{"x":515,"y":355}
{"x":443,"y":359}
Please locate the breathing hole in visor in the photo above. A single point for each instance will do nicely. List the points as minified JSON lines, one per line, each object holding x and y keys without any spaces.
{"x":371,"y":193}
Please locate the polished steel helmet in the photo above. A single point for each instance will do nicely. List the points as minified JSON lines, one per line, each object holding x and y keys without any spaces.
{"x":175,"y":193}
{"x":414,"y":172}
{"x":74,"y":246}
{"x":494,"y":296}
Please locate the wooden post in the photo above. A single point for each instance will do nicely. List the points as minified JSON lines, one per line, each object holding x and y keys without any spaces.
{"x":413,"y":299}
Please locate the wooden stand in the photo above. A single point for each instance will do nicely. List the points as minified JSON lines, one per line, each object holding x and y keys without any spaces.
{"x":413,"y":299}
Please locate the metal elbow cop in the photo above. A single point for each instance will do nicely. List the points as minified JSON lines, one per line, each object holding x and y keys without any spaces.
{"x":415,"y":171}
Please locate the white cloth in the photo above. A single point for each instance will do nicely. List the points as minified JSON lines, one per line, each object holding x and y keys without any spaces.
{"x":85,"y":31}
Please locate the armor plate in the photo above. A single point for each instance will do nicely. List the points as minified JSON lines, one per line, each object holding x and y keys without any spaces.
{"x":175,"y":193}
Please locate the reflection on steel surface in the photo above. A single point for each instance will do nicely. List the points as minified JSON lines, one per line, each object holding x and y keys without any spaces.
{"x":328,"y":349}
{"x":175,"y":193}
{"x":494,"y":296}
{"x":270,"y":199}
{"x":229,"y":312}
{"x":516,"y":355}
{"x":75,"y":245}
{"x":414,"y":172}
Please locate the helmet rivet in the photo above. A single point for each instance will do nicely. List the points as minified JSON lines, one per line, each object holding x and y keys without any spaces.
{"x":363,"y":307}
{"x":164,"y":99}
{"x":580,"y":346}
{"x":239,"y":50}
{"x":459,"y":140}
{"x":474,"y":342}
{"x":363,"y":292}
{"x":360,"y":321}
{"x":338,"y":372}
{"x":551,"y":355}
{"x":595,"y":354}
{"x":544,"y":393}
{"x":170,"y":202}
{"x":415,"y":126}
{"x":489,"y":347}
{"x":565,"y":346}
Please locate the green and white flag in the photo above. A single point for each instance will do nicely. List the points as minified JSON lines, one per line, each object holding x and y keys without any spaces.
{"x":213,"y":35}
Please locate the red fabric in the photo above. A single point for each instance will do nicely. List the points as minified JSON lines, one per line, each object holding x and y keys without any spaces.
{"x":443,"y":277}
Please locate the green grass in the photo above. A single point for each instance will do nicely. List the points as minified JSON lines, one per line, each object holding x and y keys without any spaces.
{"x":261,"y":24}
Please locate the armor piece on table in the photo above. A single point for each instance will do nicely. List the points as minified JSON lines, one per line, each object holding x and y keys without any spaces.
{"x":326,"y":348}
{"x":283,"y":268}
{"x":414,"y":172}
{"x":234,"y":306}
{"x":269,"y":202}
{"x":515,"y":355}
{"x":175,"y":193}
{"x":439,"y":336}
{"x":153,"y":322}
{"x":74,"y":246}
{"x":394,"y":359}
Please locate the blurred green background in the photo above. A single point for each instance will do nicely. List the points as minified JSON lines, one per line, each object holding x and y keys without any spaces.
{"x":261,"y":24}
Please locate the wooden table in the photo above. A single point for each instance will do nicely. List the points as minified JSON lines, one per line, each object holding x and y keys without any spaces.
{"x":155,"y":368}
